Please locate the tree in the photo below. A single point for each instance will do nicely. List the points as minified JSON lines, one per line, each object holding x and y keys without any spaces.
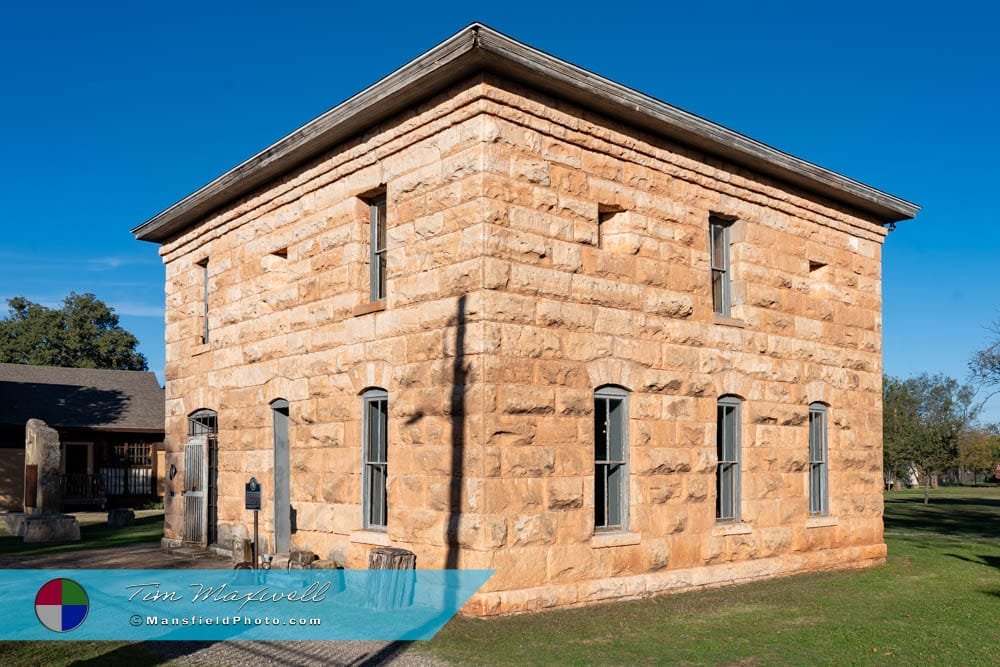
{"x":900,"y":422}
{"x":923,"y":420}
{"x":975,"y":452}
{"x":985,"y":365}
{"x":83,"y":333}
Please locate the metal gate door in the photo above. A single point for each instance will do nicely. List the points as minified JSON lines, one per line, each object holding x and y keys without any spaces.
{"x":194,"y":491}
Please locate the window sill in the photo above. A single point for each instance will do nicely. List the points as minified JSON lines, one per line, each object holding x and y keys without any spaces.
{"x":373,"y":537}
{"x":723,"y":529}
{"x":366,"y":308}
{"x":604,"y":540}
{"x":726,"y":321}
{"x":200,"y":348}
{"x":821,"y":521}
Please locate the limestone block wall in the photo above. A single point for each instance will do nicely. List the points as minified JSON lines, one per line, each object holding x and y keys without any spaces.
{"x":535,"y":253}
{"x":570,"y":308}
{"x":289,"y":318}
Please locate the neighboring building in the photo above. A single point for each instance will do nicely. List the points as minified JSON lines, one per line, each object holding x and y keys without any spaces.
{"x":508,"y":314}
{"x":110,"y":426}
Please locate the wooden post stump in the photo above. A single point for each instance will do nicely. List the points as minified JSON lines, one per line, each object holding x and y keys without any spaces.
{"x":300,"y":560}
{"x":391,"y":587}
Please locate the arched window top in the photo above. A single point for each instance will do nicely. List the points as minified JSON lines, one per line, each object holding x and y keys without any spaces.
{"x":730,"y":399}
{"x":374,"y":392}
{"x":203,"y":422}
{"x":611,"y":391}
{"x":279,"y":404}
{"x":818,"y":406}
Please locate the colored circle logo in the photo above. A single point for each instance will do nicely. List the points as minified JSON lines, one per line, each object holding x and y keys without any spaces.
{"x":61,"y":605}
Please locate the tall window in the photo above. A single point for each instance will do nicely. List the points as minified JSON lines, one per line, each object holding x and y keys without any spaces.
{"x":610,"y":465}
{"x":375,"y":426}
{"x":819,"y":495}
{"x":377,"y":248}
{"x":727,"y":439}
{"x":204,"y":300}
{"x":719,"y":250}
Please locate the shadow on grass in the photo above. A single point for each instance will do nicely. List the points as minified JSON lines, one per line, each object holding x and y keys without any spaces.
{"x":949,"y":500}
{"x":93,"y":536}
{"x":991,"y":561}
{"x":950,"y":516}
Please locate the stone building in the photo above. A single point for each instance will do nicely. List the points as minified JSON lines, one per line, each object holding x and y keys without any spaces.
{"x":508,"y":314}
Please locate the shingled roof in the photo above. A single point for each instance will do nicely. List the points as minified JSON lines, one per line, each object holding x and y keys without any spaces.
{"x":104,"y":400}
{"x":479,"y":48}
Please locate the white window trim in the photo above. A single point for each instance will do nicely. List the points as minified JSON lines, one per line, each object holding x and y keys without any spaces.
{"x":377,"y":255}
{"x":725,"y":308}
{"x":823,"y":411}
{"x":737,"y":403}
{"x":617,"y":393}
{"x":372,"y":395}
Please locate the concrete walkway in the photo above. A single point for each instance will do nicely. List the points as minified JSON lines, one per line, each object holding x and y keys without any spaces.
{"x":237,"y":654}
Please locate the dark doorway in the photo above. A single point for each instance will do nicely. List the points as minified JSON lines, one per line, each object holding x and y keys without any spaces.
{"x":212,"y":520}
{"x":282,"y":479}
{"x":76,"y":459}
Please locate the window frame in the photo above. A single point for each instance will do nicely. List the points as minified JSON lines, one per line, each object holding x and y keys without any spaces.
{"x":203,"y":422}
{"x":377,"y":243}
{"x":368,"y":464}
{"x":609,"y":393}
{"x":205,"y":334}
{"x":723,"y":304}
{"x":819,"y":413}
{"x":735,"y":463}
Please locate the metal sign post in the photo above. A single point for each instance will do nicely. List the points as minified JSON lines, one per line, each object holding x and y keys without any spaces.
{"x":252,"y":501}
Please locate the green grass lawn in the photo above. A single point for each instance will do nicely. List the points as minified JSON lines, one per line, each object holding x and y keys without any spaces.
{"x":92,"y":536}
{"x":936,"y":601}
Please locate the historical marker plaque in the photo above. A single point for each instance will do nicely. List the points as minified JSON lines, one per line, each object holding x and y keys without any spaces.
{"x":253,"y":494}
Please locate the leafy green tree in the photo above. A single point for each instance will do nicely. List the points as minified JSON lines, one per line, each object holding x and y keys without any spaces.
{"x":975,"y":452}
{"x":923,"y":419}
{"x":900,"y":423}
{"x":83,"y":333}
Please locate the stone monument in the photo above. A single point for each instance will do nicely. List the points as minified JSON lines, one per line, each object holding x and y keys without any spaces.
{"x":43,"y":520}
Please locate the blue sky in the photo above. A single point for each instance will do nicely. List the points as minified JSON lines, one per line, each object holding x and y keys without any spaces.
{"x":113,"y":112}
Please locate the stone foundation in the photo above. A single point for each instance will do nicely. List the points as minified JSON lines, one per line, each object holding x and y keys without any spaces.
{"x":670,"y":581}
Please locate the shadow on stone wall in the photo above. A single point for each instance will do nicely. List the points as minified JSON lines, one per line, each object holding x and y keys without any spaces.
{"x":459,"y":375}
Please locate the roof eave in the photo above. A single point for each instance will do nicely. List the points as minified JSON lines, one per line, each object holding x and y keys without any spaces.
{"x":414,"y":81}
{"x":576,"y":84}
{"x":480,"y":48}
